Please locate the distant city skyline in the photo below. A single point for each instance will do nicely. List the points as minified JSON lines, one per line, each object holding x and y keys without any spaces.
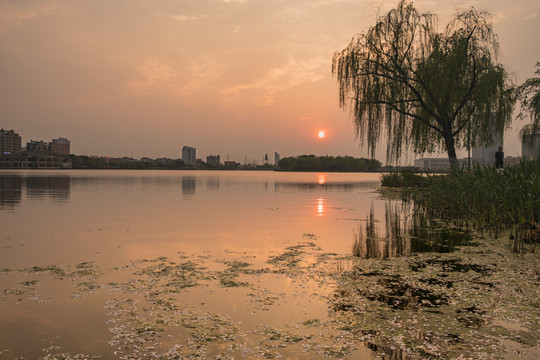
{"x":240,"y":78}
{"x":188,"y":154}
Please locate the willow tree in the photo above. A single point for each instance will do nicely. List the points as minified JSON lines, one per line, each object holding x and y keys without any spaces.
{"x":424,"y":89}
{"x":528,"y":94}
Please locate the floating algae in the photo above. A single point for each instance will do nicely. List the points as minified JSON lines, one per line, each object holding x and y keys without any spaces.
{"x":442,"y":306}
{"x":476,"y":302}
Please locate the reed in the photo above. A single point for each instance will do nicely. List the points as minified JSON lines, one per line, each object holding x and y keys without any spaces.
{"x":404,"y":178}
{"x":487,"y":200}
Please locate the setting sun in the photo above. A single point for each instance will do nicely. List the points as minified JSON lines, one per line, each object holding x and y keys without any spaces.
{"x":322,"y":134}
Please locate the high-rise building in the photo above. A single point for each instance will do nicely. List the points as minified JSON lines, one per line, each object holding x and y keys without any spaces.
{"x":188,"y":155}
{"x":485,"y":155}
{"x":60,"y":146}
{"x":10,"y":142}
{"x":276,"y":158}
{"x":530,"y":146}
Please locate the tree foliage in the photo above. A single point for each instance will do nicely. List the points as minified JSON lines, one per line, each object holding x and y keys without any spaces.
{"x":427,"y":90}
{"x":528,"y":94}
{"x":328,"y":163}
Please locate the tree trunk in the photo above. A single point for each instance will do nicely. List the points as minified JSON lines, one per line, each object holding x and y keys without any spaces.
{"x":451,"y":150}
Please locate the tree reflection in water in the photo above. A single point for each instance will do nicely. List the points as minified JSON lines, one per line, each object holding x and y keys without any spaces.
{"x":407,"y":230}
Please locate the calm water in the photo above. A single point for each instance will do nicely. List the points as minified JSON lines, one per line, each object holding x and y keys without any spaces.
{"x":110,"y":221}
{"x":69,"y":216}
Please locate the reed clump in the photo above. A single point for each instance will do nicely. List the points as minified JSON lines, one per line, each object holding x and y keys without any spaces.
{"x":487,"y":200}
{"x":405,"y":178}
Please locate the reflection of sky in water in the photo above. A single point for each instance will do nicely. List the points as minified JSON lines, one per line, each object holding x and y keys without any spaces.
{"x":115,"y":219}
{"x":133,"y":214}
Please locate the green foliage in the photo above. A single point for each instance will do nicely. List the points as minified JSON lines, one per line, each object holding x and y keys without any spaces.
{"x":328,"y":163}
{"x":528,"y":94}
{"x":487,"y":200}
{"x":422,"y":87}
{"x":404,"y":178}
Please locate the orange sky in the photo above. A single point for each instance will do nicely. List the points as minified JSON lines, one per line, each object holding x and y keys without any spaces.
{"x":238,"y":78}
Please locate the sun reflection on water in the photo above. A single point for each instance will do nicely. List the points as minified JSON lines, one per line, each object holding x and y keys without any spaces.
{"x":320,"y":207}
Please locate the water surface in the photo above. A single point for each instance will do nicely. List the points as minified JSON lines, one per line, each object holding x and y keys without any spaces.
{"x":257,"y":265}
{"x":143,"y":264}
{"x":59,"y":216}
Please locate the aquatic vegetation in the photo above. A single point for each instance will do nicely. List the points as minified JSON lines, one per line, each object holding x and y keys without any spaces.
{"x":284,"y":336}
{"x":30,"y":283}
{"x":442,"y":306}
{"x":207,"y":328}
{"x":53,"y":269}
{"x":290,"y":259}
{"x":68,"y":356}
{"x":403,"y":179}
{"x":472,"y":302}
{"x":488,"y":201}
{"x":88,"y":286}
{"x":175,"y":277}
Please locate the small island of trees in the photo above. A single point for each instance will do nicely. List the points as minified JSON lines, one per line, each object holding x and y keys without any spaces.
{"x":328,"y":163}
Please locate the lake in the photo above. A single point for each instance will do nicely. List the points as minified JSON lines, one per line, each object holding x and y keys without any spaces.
{"x":250,"y":264}
{"x":149,"y":264}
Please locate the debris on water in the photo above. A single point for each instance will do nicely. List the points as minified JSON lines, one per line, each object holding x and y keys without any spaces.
{"x":476,"y":302}
{"x":442,"y":305}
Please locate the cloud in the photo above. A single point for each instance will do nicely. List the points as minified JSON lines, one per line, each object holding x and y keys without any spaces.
{"x":499,"y":16}
{"x":530,"y":16}
{"x":264,"y":90}
{"x":182,"y":17}
{"x":175,"y":80}
{"x":12,"y":16}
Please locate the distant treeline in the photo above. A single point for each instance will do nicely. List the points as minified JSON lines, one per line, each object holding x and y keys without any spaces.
{"x":328,"y":163}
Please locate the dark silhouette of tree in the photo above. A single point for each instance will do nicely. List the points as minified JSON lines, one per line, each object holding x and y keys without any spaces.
{"x":528,"y":94}
{"x":328,"y":163}
{"x":426,"y":90}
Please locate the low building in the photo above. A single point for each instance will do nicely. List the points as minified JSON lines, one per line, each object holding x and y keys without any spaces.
{"x":213,"y":160}
{"x":36,"y":161}
{"x":432,"y":164}
{"x":231,"y":164}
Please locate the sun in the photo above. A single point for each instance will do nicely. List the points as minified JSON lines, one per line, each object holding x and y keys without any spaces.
{"x":321,"y":134}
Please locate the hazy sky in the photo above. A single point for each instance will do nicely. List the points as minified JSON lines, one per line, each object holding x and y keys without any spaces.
{"x":238,"y":78}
